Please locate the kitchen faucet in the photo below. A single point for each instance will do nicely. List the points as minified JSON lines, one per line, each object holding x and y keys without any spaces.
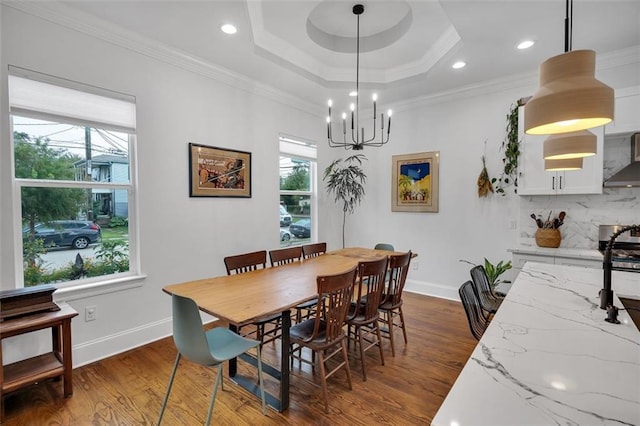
{"x":606,"y":294}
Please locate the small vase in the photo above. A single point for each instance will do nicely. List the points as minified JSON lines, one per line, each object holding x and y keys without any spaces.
{"x":548,"y":237}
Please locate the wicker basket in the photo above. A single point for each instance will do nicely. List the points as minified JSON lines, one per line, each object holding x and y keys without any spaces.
{"x":548,"y":237}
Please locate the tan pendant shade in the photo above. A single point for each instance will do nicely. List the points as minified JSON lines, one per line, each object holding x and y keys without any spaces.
{"x":563,"y":165}
{"x":570,"y":145}
{"x":569,"y":98}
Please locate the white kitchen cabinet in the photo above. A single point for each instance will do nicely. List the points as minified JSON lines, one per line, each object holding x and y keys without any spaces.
{"x":535,"y":180}
{"x":626,"y":115}
{"x":573,"y":257}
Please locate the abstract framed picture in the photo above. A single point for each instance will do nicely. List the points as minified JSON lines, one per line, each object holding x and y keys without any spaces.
{"x":219,"y":172}
{"x":414,"y":186}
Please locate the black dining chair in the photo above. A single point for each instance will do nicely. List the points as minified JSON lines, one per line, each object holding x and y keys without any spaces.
{"x":478,"y":321}
{"x":489,"y":301}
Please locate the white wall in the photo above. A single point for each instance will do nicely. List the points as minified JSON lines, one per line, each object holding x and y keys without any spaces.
{"x":184,"y":238}
{"x":181,"y":238}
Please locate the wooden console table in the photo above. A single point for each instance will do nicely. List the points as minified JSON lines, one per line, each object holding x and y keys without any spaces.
{"x":56,"y":363}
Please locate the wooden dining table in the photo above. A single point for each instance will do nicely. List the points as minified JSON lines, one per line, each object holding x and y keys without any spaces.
{"x":241,"y":299}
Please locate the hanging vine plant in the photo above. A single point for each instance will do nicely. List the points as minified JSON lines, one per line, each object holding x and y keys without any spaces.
{"x":511,"y":148}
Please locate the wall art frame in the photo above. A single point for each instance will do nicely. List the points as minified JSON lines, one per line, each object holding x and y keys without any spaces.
{"x":415,"y":181}
{"x":219,"y":172}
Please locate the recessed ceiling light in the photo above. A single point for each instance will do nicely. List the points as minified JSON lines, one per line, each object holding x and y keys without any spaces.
{"x":526,"y":44}
{"x":229,"y":29}
{"x":353,"y":94}
{"x":458,"y":65}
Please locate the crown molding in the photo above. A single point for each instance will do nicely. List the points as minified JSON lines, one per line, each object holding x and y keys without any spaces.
{"x":79,"y":21}
{"x":71,"y":18}
{"x":605,"y":61}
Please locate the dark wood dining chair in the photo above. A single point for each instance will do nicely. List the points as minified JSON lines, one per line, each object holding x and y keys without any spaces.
{"x":268,"y":328}
{"x":478,"y":321}
{"x":391,"y":304}
{"x":286,"y":255}
{"x":306,"y":309}
{"x":314,"y":250}
{"x":363,"y":312}
{"x":289,"y":255}
{"x":489,"y":301}
{"x":324,"y":332}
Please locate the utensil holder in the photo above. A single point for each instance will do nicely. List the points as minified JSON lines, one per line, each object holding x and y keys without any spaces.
{"x":548,"y":237}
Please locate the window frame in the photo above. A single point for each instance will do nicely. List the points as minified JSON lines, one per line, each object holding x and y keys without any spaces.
{"x":307,"y":152}
{"x":93,"y":285}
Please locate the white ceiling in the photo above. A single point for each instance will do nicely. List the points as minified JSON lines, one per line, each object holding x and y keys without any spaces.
{"x":407,"y":47}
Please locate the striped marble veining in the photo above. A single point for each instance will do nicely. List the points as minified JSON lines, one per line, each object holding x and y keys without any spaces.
{"x":549,"y":358}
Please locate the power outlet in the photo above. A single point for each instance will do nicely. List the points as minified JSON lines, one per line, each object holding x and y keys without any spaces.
{"x":416,"y":265}
{"x":90,"y":313}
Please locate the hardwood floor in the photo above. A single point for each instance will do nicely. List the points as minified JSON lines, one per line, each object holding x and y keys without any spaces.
{"x":128,"y":389}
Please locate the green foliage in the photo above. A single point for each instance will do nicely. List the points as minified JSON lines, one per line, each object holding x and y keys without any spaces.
{"x":112,"y":257}
{"x":32,"y":249}
{"x":117,"y":221}
{"x":34,"y":159}
{"x":297,"y":180}
{"x":345,"y":179}
{"x":511,"y":147}
{"x":494,"y":271}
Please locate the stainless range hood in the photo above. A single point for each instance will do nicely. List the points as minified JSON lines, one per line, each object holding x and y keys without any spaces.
{"x":630,"y":175}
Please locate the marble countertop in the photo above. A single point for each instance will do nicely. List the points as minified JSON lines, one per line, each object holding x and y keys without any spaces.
{"x":579,"y":253}
{"x":549,"y":358}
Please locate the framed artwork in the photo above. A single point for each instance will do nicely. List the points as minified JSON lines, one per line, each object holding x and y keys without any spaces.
{"x":219,"y":172}
{"x":414,"y":186}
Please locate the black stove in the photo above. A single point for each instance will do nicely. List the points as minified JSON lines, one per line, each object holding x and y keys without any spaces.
{"x":625,"y":254}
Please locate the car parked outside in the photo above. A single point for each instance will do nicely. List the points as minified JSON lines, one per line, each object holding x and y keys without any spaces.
{"x":284,"y":235}
{"x":285,"y":217}
{"x":301,"y":229}
{"x":77,"y":234}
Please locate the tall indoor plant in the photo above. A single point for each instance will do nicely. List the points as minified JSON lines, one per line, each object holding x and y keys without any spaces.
{"x":345,"y":179}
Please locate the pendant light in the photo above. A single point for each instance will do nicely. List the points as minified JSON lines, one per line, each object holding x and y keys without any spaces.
{"x":563,"y":165}
{"x":578,"y":144}
{"x":569,"y":98}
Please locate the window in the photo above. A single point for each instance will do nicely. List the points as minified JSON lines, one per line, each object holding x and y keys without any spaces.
{"x":73,"y":171}
{"x":297,"y":191}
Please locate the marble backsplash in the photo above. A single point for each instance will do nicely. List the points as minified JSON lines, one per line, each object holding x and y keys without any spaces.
{"x":586,"y":212}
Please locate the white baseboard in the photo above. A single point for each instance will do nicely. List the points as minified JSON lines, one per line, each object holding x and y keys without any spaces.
{"x":432,"y":289}
{"x":106,"y":346}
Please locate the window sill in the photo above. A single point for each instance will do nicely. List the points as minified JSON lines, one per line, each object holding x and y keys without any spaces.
{"x":82,"y":291}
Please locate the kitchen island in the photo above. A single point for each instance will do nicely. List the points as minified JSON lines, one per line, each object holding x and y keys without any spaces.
{"x":548,"y":357}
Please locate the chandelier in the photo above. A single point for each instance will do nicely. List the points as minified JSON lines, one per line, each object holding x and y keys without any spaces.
{"x":357,"y":139}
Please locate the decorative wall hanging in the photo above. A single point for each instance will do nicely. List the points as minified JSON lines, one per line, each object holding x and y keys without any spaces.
{"x":414,"y":185}
{"x":219,"y":172}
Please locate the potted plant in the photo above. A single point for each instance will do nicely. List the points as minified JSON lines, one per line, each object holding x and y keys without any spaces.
{"x":345,"y":179}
